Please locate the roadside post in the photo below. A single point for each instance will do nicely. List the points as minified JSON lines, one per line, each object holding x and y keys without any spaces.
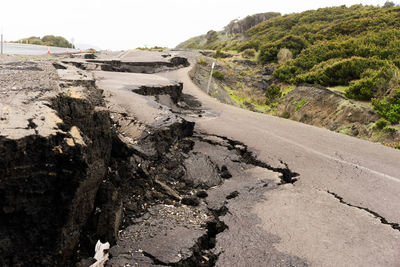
{"x":1,"y":40}
{"x":209,"y":80}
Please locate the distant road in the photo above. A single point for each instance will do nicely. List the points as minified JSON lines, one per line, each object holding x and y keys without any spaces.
{"x":27,"y":49}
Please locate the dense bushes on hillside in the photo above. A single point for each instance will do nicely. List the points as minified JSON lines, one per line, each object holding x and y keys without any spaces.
{"x":389,"y":108}
{"x":311,"y":25}
{"x":339,"y":71}
{"x":272,"y":93}
{"x":328,"y":43}
{"x":374,"y":83}
{"x":269,"y":52}
{"x":48,"y":40}
{"x":249,"y":53}
{"x":357,"y":47}
{"x":379,"y":46}
{"x":221,"y":39}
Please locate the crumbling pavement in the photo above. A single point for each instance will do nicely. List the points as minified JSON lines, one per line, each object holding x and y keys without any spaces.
{"x":101,"y":169}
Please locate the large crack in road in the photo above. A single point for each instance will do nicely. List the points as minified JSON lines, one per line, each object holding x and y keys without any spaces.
{"x":287,"y":176}
{"x":203,"y":251}
{"x":384,"y":221}
{"x":237,"y":159}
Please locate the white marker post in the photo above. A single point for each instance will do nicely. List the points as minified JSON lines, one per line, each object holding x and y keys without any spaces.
{"x":209,"y":80}
{"x":2,"y":40}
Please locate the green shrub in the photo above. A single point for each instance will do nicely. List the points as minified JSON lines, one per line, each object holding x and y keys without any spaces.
{"x":300,"y":104}
{"x":339,"y":71}
{"x":218,"y":75}
{"x":272,"y":93}
{"x":49,"y":40}
{"x":388,"y":108}
{"x":249,"y":45}
{"x":249,"y":53}
{"x":58,"y":41}
{"x":268,"y":53}
{"x":389,"y":130}
{"x":293,"y":42}
{"x":91,"y":50}
{"x":373,"y":82}
{"x":383,"y":45}
{"x":316,"y":36}
{"x":219,"y":54}
{"x":362,"y":89}
{"x":382,"y":123}
{"x":202,"y":62}
{"x":286,"y":72}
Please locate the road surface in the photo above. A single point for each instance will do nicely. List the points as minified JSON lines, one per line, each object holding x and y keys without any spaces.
{"x":342,"y":211}
{"x":345,"y":208}
{"x":27,"y":49}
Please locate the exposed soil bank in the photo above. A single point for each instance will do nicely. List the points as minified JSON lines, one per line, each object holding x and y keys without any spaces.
{"x":319,"y":106}
{"x":51,"y":167}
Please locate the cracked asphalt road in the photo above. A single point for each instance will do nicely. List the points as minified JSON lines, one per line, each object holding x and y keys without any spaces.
{"x":308,"y":220}
{"x":336,"y":203}
{"x":342,"y":210}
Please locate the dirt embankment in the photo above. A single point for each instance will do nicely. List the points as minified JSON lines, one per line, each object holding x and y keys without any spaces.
{"x":240,"y":82}
{"x":55,"y":146}
{"x":319,"y":106}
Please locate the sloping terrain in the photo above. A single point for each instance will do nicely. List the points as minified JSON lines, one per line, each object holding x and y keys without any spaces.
{"x":245,"y":85}
{"x":234,"y":29}
{"x":351,"y":50}
{"x":322,"y":107}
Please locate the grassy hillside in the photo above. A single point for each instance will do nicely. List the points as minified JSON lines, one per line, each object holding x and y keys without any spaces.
{"x":357,"y":48}
{"x":234,"y":30}
{"x":48,"y":40}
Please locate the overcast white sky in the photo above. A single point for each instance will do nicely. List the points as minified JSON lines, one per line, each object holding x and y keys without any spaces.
{"x":124,"y":24}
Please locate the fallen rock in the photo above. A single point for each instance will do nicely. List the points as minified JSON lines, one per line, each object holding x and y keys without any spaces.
{"x":201,"y":172}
